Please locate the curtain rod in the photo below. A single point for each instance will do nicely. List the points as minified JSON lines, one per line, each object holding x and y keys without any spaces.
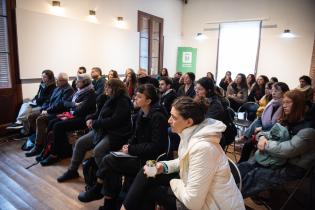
{"x":240,"y":20}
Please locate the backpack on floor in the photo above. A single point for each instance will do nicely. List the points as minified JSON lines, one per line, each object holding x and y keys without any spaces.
{"x":89,"y":172}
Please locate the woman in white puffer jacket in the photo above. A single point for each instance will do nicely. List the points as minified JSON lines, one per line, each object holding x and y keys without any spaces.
{"x":200,"y":178}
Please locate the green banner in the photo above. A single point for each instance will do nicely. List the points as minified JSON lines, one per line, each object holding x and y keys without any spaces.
{"x":186,"y":59}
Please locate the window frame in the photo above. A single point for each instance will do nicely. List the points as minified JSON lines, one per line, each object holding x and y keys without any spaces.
{"x":150,"y":45}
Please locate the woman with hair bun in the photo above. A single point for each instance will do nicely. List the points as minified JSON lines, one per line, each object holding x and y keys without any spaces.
{"x":200,"y":178}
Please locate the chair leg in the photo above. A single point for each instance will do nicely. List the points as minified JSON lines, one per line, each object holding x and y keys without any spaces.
{"x":296,"y":187}
{"x":234,"y":151}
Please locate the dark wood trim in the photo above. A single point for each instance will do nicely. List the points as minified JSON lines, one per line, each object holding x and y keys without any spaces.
{"x":161,"y":39}
{"x":143,"y":14}
{"x":312,"y":69}
{"x":150,"y":46}
{"x":258,"y":50}
{"x":217,"y":60}
{"x":13,"y":46}
{"x":14,"y":93}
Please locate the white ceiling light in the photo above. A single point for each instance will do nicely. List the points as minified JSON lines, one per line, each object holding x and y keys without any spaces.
{"x":287,"y":34}
{"x":201,"y":36}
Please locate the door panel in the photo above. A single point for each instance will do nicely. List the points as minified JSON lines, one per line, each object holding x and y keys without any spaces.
{"x":10,"y":84}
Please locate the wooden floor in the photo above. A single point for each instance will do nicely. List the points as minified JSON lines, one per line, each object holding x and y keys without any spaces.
{"x":36,"y":187}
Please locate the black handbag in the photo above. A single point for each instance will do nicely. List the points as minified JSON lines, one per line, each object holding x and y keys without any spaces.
{"x":89,"y":172}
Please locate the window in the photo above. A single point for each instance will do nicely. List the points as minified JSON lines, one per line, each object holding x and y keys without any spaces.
{"x":4,"y":48}
{"x":238,"y":48}
{"x":151,"y":42}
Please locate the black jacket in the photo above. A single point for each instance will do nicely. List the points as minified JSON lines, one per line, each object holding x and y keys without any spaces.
{"x":148,"y":80}
{"x":256,"y":94}
{"x":43,"y":94}
{"x":57,"y":98}
{"x":215,"y":110}
{"x":99,"y":85}
{"x":150,"y":138}
{"x":190,"y":92}
{"x":114,"y":119}
{"x":167,"y":100}
{"x":87,"y":104}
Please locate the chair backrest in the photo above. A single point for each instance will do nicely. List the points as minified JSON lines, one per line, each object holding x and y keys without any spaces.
{"x":231,"y":113}
{"x":168,"y":146}
{"x":236,"y":173}
{"x":225,"y":102}
{"x":167,"y":154}
{"x":250,"y":109}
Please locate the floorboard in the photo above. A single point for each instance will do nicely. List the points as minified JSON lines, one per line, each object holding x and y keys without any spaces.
{"x":36,"y":187}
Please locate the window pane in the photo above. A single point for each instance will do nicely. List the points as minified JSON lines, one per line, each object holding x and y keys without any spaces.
{"x":144,"y":62}
{"x":3,"y":35}
{"x":3,"y":8}
{"x":4,"y":50}
{"x":144,"y":47}
{"x":155,"y":66}
{"x":4,"y":71}
{"x":238,"y":48}
{"x":144,"y":27}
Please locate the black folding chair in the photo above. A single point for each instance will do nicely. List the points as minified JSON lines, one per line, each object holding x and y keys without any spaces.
{"x":249,"y":109}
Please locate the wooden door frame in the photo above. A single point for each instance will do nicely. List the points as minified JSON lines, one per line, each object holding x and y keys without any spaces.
{"x":14,"y":72}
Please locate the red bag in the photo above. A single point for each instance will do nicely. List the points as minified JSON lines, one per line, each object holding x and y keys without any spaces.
{"x":65,"y":116}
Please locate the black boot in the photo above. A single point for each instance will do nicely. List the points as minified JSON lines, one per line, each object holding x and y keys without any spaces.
{"x":109,"y":204}
{"x":36,"y":150}
{"x":50,"y":160}
{"x":41,"y":156}
{"x":94,"y":193}
{"x":69,"y":174}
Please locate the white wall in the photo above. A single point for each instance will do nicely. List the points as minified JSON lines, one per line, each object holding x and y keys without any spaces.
{"x":286,"y":59}
{"x":62,"y":43}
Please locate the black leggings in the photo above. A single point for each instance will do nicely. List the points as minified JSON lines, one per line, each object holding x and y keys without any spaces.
{"x":145,"y":192}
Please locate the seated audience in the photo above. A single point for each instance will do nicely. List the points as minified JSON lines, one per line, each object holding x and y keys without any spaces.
{"x":273,"y":79}
{"x":83,"y":103}
{"x":268,"y":118}
{"x":298,"y":151}
{"x":237,"y":92}
{"x":258,"y":90}
{"x":250,"y":80}
{"x":200,"y":178}
{"x":163,"y":73}
{"x":110,"y":127}
{"x":188,"y":88}
{"x":128,"y":70}
{"x":265,"y":99}
{"x":98,"y":81}
{"x":205,"y":89}
{"x":210,"y":76}
{"x":148,"y":142}
{"x":61,"y":94}
{"x":131,"y":82}
{"x":81,"y":70}
{"x":176,"y":83}
{"x":224,"y":83}
{"x":306,"y":87}
{"x":144,"y":78}
{"x":46,"y":88}
{"x":112,"y":74}
{"x":168,"y":95}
